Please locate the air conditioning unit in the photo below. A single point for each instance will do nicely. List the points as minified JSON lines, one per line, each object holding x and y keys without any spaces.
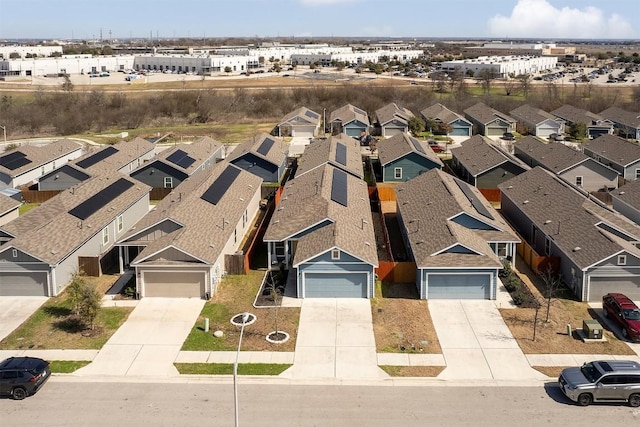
{"x":592,"y":329}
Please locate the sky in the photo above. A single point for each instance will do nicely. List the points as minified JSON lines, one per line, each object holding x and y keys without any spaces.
{"x":493,"y":19}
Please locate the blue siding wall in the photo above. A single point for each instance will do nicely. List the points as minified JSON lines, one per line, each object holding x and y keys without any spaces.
{"x":257,"y":166}
{"x":354,"y":128}
{"x":422,"y":276}
{"x":161,"y":171}
{"x":412,"y":165}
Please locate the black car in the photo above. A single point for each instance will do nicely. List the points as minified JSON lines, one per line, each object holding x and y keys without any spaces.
{"x":508,"y":136}
{"x":22,"y":376}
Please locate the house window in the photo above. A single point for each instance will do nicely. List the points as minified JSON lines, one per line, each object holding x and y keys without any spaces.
{"x":547,"y":246}
{"x":637,"y":173}
{"x":168,"y":182}
{"x":335,"y":254}
{"x":502,"y":250}
{"x":105,"y":235}
{"x":244,"y":219}
{"x":622,"y":260}
{"x":120,"y":222}
{"x":42,"y":171}
{"x":235,"y":235}
{"x":579,"y":181}
{"x":279,"y":248}
{"x":397,"y":173}
{"x":14,"y":253}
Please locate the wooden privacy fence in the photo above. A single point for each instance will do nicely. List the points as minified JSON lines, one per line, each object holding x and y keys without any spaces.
{"x":491,"y":194}
{"x":36,"y":196}
{"x":386,"y":193}
{"x":254,"y":245}
{"x":538,"y":264}
{"x":396,"y":272}
{"x":159,"y":193}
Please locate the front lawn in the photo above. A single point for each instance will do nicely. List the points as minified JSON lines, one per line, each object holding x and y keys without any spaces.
{"x":227,"y":368}
{"x":67,"y":366}
{"x":52,"y":327}
{"x":413,"y":371}
{"x":234,"y":295}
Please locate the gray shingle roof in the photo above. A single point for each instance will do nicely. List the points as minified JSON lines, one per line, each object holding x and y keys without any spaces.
{"x":614,"y":148}
{"x":349,"y":113}
{"x":7,"y":204}
{"x":477,"y":155}
{"x":624,"y":117}
{"x":276,"y":154}
{"x":629,"y":193}
{"x":442,"y":113}
{"x":485,"y":114}
{"x":50,"y":233}
{"x":393,"y":111}
{"x":573,"y":114}
{"x":554,"y":156}
{"x":306,"y":201}
{"x":400,"y":145}
{"x":127,"y":152}
{"x":200,"y":150}
{"x":322,"y":152}
{"x":302,"y":114}
{"x":204,"y":227}
{"x":428,"y":204}
{"x":40,"y":156}
{"x":528,"y":114}
{"x":567,"y":217}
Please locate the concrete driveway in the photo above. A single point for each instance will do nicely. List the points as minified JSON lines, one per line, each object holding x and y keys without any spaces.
{"x":149,"y":341}
{"x":597,"y":307}
{"x":15,"y":310}
{"x":476,"y":343}
{"x":335,"y":340}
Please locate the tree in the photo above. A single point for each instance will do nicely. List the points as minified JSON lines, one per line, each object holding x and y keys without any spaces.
{"x":552,"y":283}
{"x":487,"y":76}
{"x":227,"y":69}
{"x":67,"y":86}
{"x":416,"y":125}
{"x":578,"y":130}
{"x":525,"y":83}
{"x":85,"y":301}
{"x":455,"y":77}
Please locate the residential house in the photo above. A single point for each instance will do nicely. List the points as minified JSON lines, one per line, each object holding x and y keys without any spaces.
{"x":626,"y":200}
{"x":617,"y":153}
{"x":535,"y":121}
{"x":403,"y":157}
{"x":263,"y":155}
{"x":626,"y":122}
{"x":172,"y":166}
{"x":440,"y":115}
{"x":457,"y":240}
{"x":350,"y":120}
{"x":8,"y":210}
{"x":122,"y":157}
{"x":596,"y":248}
{"x":322,"y":234}
{"x":25,"y":164}
{"x":596,"y":125}
{"x":572,"y":165}
{"x":488,"y":121}
{"x":178,"y":249}
{"x":71,"y":232}
{"x":340,"y":151}
{"x":302,"y":123}
{"x":393,"y":119}
{"x":484,"y":165}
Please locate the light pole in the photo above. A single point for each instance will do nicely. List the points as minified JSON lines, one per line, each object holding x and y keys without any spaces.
{"x":245,"y":318}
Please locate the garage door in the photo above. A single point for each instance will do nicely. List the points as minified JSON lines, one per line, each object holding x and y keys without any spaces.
{"x":544,"y":132}
{"x":496,"y":131}
{"x":23,"y":284}
{"x":599,"y":286}
{"x":343,"y":285}
{"x":458,"y":286}
{"x":460,"y":131}
{"x":174,"y":284}
{"x":303,"y":131}
{"x":388,"y":131}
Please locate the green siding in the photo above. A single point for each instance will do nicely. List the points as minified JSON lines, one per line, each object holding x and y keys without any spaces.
{"x":412,"y":165}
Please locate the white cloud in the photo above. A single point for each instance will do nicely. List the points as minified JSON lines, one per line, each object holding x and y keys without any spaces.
{"x":540,"y":19}
{"x":324,"y":2}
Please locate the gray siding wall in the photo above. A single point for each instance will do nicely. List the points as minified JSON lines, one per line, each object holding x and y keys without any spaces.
{"x":615,"y":166}
{"x":257,"y":166}
{"x":154,"y":174}
{"x":498,"y":175}
{"x":630,"y":212}
{"x":5,"y":181}
{"x":412,"y":165}
{"x":594,"y":176}
{"x":67,"y":177}
{"x":422,"y":276}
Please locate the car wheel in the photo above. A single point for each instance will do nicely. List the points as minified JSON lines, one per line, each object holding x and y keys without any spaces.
{"x":585,"y":399}
{"x":625,"y":333}
{"x":634,"y":400}
{"x":19,"y":393}
{"x":605,"y":313}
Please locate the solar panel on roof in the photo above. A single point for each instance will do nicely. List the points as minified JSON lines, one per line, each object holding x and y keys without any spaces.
{"x":14,"y":160}
{"x":311,"y":114}
{"x":339,"y":187}
{"x":220,"y":186}
{"x":417,"y":145}
{"x":99,"y":156}
{"x":181,"y":159}
{"x":265,"y":146}
{"x":475,"y":202}
{"x":341,"y":154}
{"x":99,"y":200}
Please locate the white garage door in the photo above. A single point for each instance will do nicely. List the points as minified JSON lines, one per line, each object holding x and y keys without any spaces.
{"x":599,"y":286}
{"x":496,"y":131}
{"x":173,"y":284}
{"x":303,"y":131}
{"x":545,"y":131}
{"x":23,"y":284}
{"x":458,"y":286}
{"x":335,"y":285}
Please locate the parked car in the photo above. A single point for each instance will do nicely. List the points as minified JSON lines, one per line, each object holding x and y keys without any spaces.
{"x":435,"y":146}
{"x":624,"y":312}
{"x":23,"y":376}
{"x":508,"y":136}
{"x":556,"y":137}
{"x":602,"y":381}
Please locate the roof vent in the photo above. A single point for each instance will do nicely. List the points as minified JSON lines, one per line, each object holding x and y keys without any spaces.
{"x":621,"y":193}
{"x":525,"y":202}
{"x":576,"y":249}
{"x":548,"y":221}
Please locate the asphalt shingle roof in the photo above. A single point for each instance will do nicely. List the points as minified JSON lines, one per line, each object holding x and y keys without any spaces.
{"x":200,"y":150}
{"x":304,"y":114}
{"x":573,"y":114}
{"x":324,"y":151}
{"x":442,"y":113}
{"x":485,"y":114}
{"x":400,"y":145}
{"x":629,"y":193}
{"x":567,"y":217}
{"x":40,"y":156}
{"x":619,"y":115}
{"x":614,"y":148}
{"x":477,"y":155}
{"x":393,"y":111}
{"x":349,"y":113}
{"x":127,"y":152}
{"x":7,"y":204}
{"x":276,"y":154}
{"x":554,"y":156}
{"x":428,"y":204}
{"x":528,"y":114}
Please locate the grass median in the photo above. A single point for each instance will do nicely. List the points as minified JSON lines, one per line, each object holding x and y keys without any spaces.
{"x":227,"y":368}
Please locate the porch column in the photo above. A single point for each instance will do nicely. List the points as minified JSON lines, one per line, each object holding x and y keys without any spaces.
{"x":120,"y":262}
{"x":270,"y":247}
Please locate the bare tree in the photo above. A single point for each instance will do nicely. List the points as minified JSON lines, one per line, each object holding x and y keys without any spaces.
{"x":525,"y":84}
{"x":552,"y":282}
{"x":487,"y":76}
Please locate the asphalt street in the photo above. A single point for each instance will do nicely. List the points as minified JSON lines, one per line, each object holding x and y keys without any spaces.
{"x":62,"y":403}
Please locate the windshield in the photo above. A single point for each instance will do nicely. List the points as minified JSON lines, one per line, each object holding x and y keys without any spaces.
{"x":590,"y":372}
{"x":631,"y":314}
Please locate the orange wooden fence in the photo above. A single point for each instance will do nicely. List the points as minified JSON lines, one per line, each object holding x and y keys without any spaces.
{"x":537,"y":263}
{"x":396,"y":272}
